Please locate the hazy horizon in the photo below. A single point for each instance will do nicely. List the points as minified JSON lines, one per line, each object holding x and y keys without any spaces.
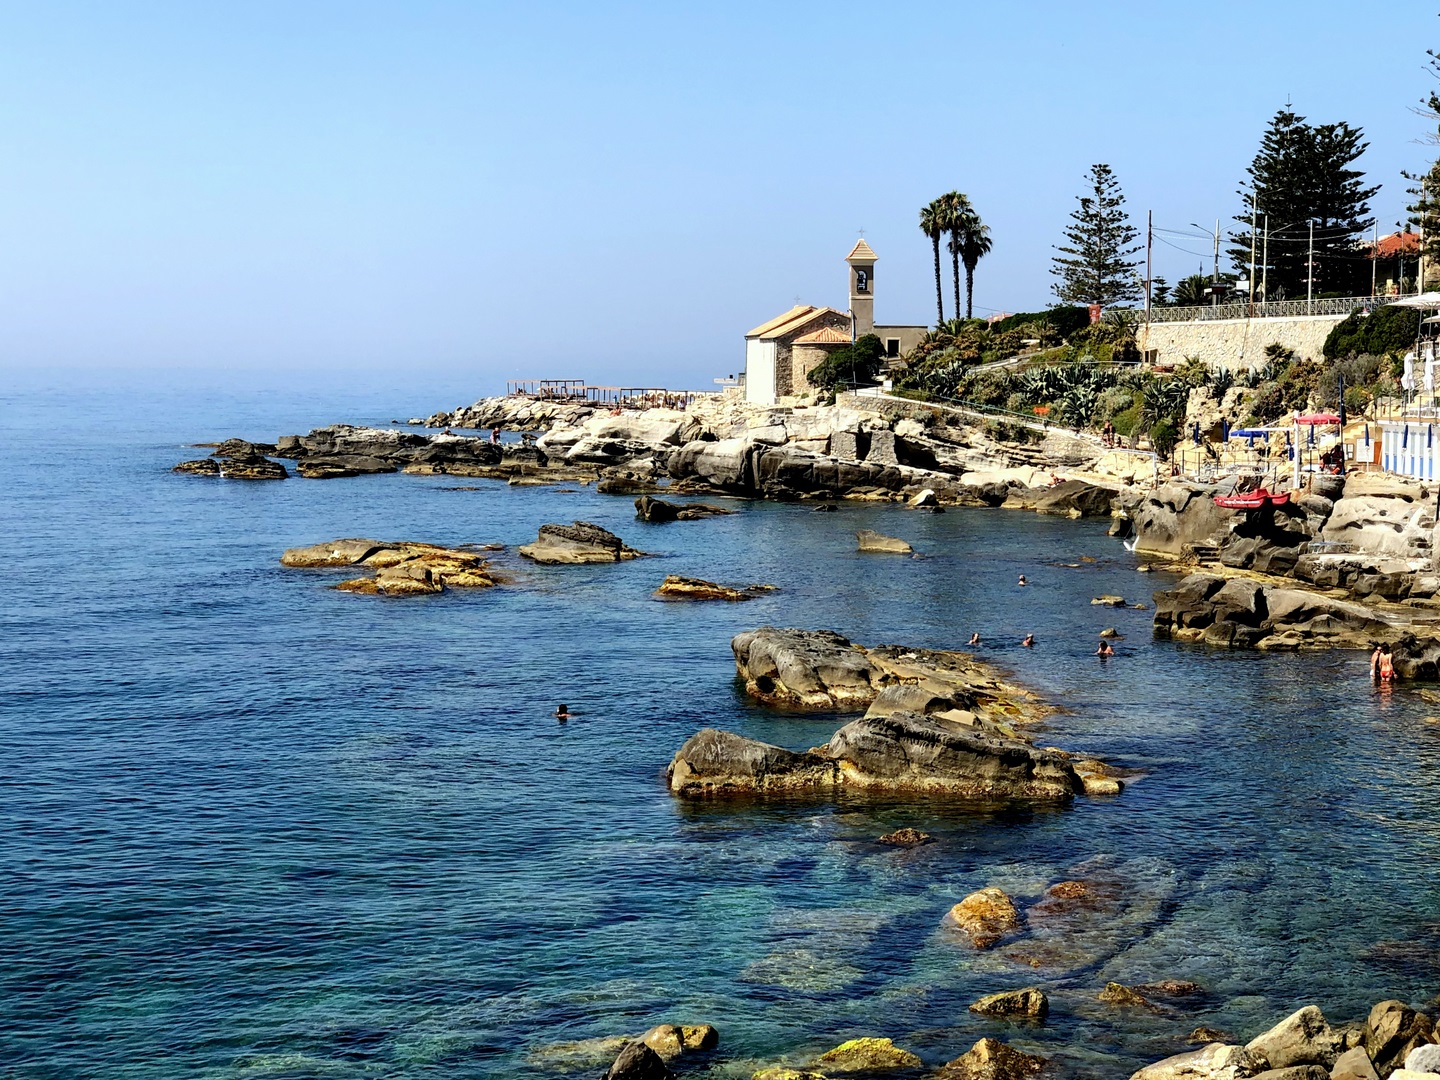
{"x":457,"y":194}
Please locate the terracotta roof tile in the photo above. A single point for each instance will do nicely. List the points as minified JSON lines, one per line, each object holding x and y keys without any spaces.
{"x":826,"y":335}
{"x":861,"y":252}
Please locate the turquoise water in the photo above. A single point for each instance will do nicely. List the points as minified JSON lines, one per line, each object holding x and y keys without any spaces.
{"x":253,"y":827}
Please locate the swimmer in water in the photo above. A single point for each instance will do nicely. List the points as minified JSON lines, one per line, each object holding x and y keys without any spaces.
{"x":562,"y":712}
{"x":1105,"y":649}
{"x":1022,"y":581}
{"x":1029,"y":641}
{"x":974,"y":639}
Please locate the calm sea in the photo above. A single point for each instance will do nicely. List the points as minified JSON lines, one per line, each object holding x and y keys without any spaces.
{"x":254,"y":827}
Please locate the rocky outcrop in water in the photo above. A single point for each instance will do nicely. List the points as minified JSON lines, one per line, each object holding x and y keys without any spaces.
{"x":901,"y":752}
{"x":581,"y":542}
{"x":657,"y":511}
{"x":1245,"y":613}
{"x":237,"y":459}
{"x":675,"y":587}
{"x":399,"y":569}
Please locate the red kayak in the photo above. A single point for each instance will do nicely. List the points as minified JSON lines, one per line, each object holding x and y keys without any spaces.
{"x":1252,"y":500}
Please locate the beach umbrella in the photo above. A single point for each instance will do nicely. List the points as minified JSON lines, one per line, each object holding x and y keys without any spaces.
{"x":1367,"y":434}
{"x":1405,"y":437}
{"x":1311,"y":440}
{"x":1407,"y":381}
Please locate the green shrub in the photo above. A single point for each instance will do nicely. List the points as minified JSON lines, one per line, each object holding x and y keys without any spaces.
{"x":1064,"y":321}
{"x":1126,"y":420}
{"x":848,"y":366}
{"x":1163,"y":437}
{"x":1357,"y":400}
{"x":1387,"y":329}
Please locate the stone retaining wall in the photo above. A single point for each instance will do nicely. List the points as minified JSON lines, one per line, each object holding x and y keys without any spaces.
{"x":1236,"y":343}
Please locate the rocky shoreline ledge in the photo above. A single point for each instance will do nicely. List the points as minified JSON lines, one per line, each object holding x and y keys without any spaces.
{"x":1348,"y":564}
{"x":936,"y":722}
{"x":1393,"y":1042}
{"x":864,"y":448}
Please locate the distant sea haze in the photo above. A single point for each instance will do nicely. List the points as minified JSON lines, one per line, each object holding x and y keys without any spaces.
{"x":258,"y":827}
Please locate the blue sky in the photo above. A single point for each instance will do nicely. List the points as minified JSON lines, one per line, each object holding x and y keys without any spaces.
{"x":612,"y":192}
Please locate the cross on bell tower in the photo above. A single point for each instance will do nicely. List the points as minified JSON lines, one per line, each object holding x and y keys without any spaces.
{"x":862,"y":287}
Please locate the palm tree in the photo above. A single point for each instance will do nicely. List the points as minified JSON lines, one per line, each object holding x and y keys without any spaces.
{"x":975,"y":244}
{"x":957,"y":210}
{"x":932,"y":224}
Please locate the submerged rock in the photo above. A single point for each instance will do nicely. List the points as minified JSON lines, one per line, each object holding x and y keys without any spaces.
{"x":1119,"y":994}
{"x":579,"y":543}
{"x":990,"y":1059}
{"x":906,"y":837}
{"x":878,"y":542}
{"x":985,"y":917}
{"x":1030,"y":1002}
{"x":867,"y":1055}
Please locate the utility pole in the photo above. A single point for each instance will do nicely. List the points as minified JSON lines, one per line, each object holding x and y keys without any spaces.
{"x":1265,"y":264}
{"x":1251,"y":312}
{"x":1215,"y":277}
{"x":1420,"y":272}
{"x":1149,"y":241}
{"x":1310,"y":275}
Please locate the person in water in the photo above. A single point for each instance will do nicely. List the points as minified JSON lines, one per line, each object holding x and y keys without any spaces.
{"x":974,"y":638}
{"x":562,"y":712}
{"x":1105,"y":649}
{"x":1385,"y":667}
{"x":1029,"y":641}
{"x":1022,"y":581}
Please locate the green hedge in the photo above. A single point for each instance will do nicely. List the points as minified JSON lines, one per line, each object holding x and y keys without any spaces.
{"x":1387,"y":329}
{"x":1065,"y":320}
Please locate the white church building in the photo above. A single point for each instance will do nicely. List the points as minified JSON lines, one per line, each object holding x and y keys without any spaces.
{"x":778,"y":353}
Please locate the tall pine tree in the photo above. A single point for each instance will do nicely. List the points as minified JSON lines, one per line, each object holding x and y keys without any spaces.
{"x":1095,"y":267}
{"x":1303,"y":176}
{"x":1425,"y":210}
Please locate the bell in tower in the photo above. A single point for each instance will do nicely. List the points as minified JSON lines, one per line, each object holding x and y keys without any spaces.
{"x":862,"y":287}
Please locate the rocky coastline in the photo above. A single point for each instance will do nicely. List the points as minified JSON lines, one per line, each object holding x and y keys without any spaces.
{"x":863,"y":449}
{"x":1347,"y":564}
{"x":938,"y":723}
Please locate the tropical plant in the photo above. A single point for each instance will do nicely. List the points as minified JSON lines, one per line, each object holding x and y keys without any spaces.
{"x":933,"y":217}
{"x":971,"y":238}
{"x":1096,"y":267}
{"x":1190,"y":291}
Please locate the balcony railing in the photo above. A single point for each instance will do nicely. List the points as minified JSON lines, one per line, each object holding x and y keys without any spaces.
{"x":1275,"y":309}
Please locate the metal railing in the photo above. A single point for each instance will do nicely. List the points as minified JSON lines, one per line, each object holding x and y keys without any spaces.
{"x":1274,"y":309}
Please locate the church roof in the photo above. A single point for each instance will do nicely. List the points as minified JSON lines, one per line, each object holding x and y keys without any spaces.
{"x":861,"y":252}
{"x":826,"y":335}
{"x":794,"y":319}
{"x":789,"y":316}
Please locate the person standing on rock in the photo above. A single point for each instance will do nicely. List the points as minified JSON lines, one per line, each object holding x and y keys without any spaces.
{"x":495,"y":436}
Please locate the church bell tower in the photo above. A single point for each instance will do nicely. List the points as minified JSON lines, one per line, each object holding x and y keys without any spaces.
{"x":862,"y":287}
